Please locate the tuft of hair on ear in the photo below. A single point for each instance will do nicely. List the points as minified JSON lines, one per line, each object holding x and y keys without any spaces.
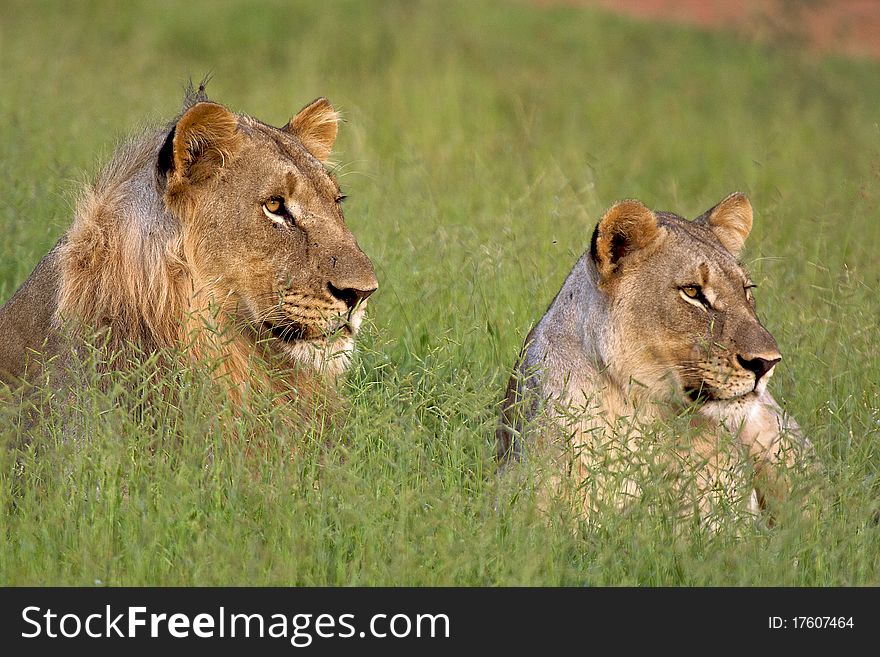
{"x":204,"y":140}
{"x":627,"y":227}
{"x":730,"y":221}
{"x":192,"y":95}
{"x":316,"y":125}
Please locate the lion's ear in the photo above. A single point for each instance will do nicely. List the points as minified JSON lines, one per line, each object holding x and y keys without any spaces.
{"x":315,"y":126}
{"x":625,"y":228}
{"x":731,"y":221}
{"x":204,"y":139}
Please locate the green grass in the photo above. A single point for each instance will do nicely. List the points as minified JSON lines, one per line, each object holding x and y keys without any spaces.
{"x":482,"y":143}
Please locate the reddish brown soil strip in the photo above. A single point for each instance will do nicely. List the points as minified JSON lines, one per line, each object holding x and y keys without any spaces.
{"x":849,"y":27}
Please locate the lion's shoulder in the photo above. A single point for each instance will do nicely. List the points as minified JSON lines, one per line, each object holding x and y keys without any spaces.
{"x":26,"y":320}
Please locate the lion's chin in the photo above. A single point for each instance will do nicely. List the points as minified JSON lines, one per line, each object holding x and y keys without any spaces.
{"x":325,"y":347}
{"x":327,"y":355}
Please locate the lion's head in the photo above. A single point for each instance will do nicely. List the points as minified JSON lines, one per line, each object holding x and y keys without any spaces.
{"x":680,"y":303}
{"x":263,"y":230}
{"x":223,"y":233}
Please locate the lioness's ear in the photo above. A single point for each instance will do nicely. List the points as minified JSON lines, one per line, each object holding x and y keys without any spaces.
{"x":626,"y":227}
{"x":731,"y":221}
{"x":316,"y":126}
{"x":204,"y":139}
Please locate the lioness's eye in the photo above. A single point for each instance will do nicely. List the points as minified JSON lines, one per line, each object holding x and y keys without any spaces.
{"x":273,"y":205}
{"x":691,"y":291}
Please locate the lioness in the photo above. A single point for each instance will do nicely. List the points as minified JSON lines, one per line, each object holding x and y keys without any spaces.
{"x":656,"y":318}
{"x":217,"y":235}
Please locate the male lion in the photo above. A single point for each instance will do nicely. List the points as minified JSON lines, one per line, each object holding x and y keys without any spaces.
{"x":217,"y":236}
{"x":656,"y":319}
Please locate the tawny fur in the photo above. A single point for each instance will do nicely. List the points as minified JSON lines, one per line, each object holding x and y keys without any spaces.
{"x":170,"y":251}
{"x":654,"y":323}
{"x":316,"y":127}
{"x":116,"y":272}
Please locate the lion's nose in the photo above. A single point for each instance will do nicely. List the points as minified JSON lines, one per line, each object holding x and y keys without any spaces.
{"x":760,"y":366}
{"x":352,"y":296}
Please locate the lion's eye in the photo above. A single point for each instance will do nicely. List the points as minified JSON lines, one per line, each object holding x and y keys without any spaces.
{"x":694,"y":294}
{"x":273,"y":205}
{"x":275,"y":210}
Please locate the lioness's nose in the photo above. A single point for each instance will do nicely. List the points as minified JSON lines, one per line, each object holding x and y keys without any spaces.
{"x":352,"y":296}
{"x":760,"y":366}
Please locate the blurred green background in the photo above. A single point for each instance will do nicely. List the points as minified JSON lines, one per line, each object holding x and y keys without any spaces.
{"x":481,"y":143}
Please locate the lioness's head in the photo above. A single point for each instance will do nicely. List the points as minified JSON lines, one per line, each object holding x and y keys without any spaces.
{"x":681,"y":304}
{"x":262,"y":228}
